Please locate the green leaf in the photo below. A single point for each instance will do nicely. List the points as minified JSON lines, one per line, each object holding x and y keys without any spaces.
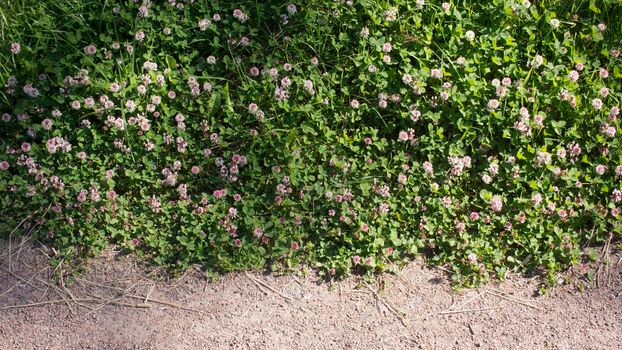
{"x":520,"y":155}
{"x":308,"y":130}
{"x":213,"y":104}
{"x":485,"y":195}
{"x":593,"y":7}
{"x":558,"y":125}
{"x":291,"y":136}
{"x":365,"y":187}
{"x":74,"y":38}
{"x":171,"y":62}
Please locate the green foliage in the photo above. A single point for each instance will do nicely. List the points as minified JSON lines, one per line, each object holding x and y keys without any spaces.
{"x":346,"y":136}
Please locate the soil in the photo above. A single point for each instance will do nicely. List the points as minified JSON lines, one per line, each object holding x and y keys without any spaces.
{"x":119,"y":303}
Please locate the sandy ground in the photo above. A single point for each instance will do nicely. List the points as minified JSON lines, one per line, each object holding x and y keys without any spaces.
{"x":119,"y":304}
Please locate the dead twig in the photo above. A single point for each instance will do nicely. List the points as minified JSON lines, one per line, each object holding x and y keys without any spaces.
{"x":41,"y":303}
{"x":27,"y":235}
{"x":589,"y":239}
{"x":340,"y":296}
{"x":124,"y":294}
{"x":448,"y":312}
{"x":8,"y":290}
{"x":471,"y":329}
{"x":444,"y":270}
{"x":466,"y":302}
{"x":604,"y":261}
{"x":259,"y":283}
{"x":62,"y":283}
{"x":356,"y":291}
{"x":118,"y":302}
{"x":121,"y":303}
{"x":60,"y":301}
{"x":105,"y":301}
{"x":608,"y":261}
{"x":55,"y":289}
{"x":149,"y":293}
{"x":24,"y":280}
{"x":10,"y":253}
{"x":164,"y":302}
{"x":398,"y":314}
{"x":514,"y":299}
{"x":20,"y":224}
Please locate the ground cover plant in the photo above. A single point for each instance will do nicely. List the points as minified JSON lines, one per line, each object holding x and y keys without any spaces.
{"x":346,"y":135}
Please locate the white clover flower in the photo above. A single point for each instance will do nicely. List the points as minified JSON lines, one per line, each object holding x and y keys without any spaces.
{"x":601,"y":27}
{"x":387,"y":47}
{"x":600,"y":169}
{"x":536,"y":199}
{"x":291,"y":9}
{"x":428,"y":168}
{"x":204,"y":23}
{"x":139,"y":36}
{"x":390,"y":15}
{"x":537,"y":61}
{"x":492,"y":105}
{"x":542,"y":158}
{"x":486,"y":179}
{"x":496,"y":203}
{"x":15,"y":48}
{"x":364,"y":32}
{"x":436,"y":73}
{"x":407,"y":79}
